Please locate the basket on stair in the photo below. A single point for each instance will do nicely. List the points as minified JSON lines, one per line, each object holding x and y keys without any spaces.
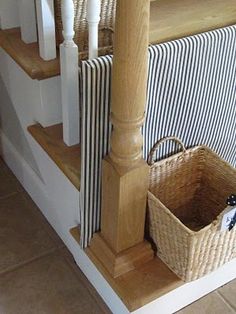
{"x":189,"y":220}
{"x":106,"y":25}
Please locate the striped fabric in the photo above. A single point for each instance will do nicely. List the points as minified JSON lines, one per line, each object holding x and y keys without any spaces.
{"x":95,"y":133}
{"x":191,"y":94}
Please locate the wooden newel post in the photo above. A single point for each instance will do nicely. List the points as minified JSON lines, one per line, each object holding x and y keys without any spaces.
{"x":120,"y":245}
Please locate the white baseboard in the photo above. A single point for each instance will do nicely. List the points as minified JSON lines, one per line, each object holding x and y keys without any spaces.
{"x":169,"y":303}
{"x":21,"y":169}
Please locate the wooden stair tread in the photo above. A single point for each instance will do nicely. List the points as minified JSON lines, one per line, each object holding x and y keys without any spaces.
{"x":27,"y":55}
{"x":140,"y":286}
{"x":180,"y":18}
{"x":169,"y":20}
{"x":66,"y":158}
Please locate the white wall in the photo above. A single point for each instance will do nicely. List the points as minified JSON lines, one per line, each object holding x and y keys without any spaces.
{"x":16,"y":111}
{"x":50,"y":110}
{"x":9,"y":16}
{"x":24,"y":101}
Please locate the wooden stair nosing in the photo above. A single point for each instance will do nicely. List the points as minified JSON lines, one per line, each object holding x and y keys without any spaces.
{"x":140,"y":286}
{"x":66,"y":158}
{"x":169,"y":20}
{"x":27,"y":55}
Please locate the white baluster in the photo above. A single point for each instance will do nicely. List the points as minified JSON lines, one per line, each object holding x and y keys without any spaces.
{"x":93,"y":18}
{"x":69,"y":76}
{"x":27,"y":21}
{"x":46,"y":29}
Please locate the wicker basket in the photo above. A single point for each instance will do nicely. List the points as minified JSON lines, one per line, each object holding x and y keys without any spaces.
{"x":108,"y":8}
{"x":187,"y":201}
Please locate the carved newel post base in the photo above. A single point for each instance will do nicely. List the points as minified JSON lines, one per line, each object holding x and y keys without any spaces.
{"x":123,"y":262}
{"x":120,"y":246}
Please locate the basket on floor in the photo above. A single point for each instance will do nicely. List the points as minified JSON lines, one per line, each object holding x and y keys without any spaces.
{"x":187,"y":201}
{"x":106,"y":26}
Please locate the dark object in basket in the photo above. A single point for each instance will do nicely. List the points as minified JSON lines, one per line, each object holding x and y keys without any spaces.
{"x":231,"y":200}
{"x":232,"y":222}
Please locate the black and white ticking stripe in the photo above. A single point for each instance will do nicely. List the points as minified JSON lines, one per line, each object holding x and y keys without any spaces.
{"x":96,"y":127}
{"x":191,"y":94}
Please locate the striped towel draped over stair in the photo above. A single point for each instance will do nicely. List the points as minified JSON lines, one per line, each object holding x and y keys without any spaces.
{"x":191,"y":94}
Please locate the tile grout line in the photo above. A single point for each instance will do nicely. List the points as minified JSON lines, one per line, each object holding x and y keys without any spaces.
{"x":28,"y":261}
{"x":82,"y":280}
{"x":231,"y":306}
{"x":33,"y":259}
{"x":22,"y":192}
{"x":58,"y":249}
{"x":9,"y":195}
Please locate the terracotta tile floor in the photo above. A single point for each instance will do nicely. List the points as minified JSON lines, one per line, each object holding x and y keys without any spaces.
{"x":38,"y":275}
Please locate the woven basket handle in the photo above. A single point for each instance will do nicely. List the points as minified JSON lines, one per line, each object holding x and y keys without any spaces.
{"x":163,"y":140}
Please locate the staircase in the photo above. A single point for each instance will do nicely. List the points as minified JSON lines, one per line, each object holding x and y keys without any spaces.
{"x":67,"y":158}
{"x":168,"y":21}
{"x":43,"y":129}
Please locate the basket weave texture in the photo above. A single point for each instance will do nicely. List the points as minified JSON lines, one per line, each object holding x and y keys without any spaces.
{"x":106,"y":26}
{"x":187,"y":201}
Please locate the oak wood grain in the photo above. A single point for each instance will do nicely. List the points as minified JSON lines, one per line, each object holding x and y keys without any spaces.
{"x":175,"y":19}
{"x":169,"y":20}
{"x":66,"y":158}
{"x":140,"y":286}
{"x":27,"y":55}
{"x":127,"y":260}
{"x":129,"y":80}
{"x":125,"y":174}
{"x":123,"y":212}
{"x":75,"y":232}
